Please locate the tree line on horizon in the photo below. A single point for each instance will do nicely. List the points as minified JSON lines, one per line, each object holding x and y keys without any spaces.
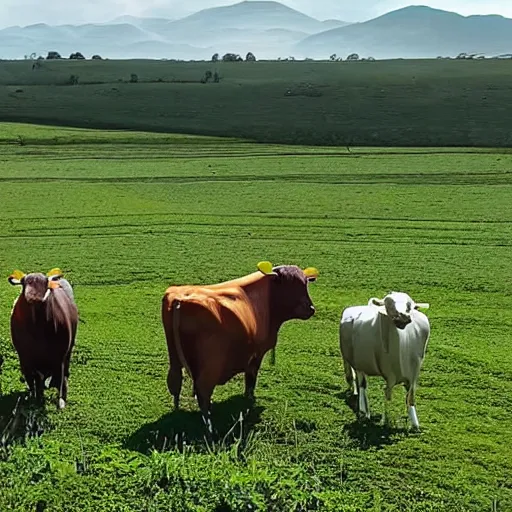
{"x":250,"y":57}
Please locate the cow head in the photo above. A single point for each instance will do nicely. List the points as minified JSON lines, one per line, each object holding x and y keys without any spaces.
{"x":290,"y":294}
{"x":36,"y":286}
{"x":398,"y":306}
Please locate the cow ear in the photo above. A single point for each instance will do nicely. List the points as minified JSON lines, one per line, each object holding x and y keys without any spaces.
{"x":379,"y":304}
{"x":311,"y":273}
{"x":265,"y":267}
{"x":421,"y":305}
{"x":16,"y":277}
{"x":54,"y":274}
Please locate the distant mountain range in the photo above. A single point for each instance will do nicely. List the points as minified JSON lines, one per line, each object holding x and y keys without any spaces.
{"x":269,"y":30}
{"x":415,"y":32}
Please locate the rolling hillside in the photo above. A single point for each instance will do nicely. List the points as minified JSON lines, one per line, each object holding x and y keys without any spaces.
{"x":414,"y":32}
{"x":382,"y":103}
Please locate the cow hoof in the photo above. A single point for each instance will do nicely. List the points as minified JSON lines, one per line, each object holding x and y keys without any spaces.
{"x":61,"y":404}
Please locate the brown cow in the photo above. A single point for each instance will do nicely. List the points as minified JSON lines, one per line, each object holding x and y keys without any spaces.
{"x":217,"y":331}
{"x":43,"y":328}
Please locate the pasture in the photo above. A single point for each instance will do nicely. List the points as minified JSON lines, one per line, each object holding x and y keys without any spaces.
{"x":125,"y":214}
{"x":383,"y":103}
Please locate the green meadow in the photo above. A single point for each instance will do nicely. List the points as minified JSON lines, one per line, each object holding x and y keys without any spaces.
{"x":411,"y":103}
{"x":125,"y":214}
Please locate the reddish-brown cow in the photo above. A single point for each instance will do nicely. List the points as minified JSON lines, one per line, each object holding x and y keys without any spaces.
{"x":217,"y":331}
{"x":43,"y":328}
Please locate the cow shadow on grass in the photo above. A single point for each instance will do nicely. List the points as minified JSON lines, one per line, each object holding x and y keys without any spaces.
{"x":370,"y":433}
{"x":20,"y":418}
{"x":233,"y":420}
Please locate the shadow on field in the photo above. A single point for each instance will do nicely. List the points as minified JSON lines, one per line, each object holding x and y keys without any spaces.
{"x":370,"y":433}
{"x":20,"y":418}
{"x":179,"y":428}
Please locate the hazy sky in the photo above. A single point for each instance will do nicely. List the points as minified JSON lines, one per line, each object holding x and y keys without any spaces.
{"x":25,"y":12}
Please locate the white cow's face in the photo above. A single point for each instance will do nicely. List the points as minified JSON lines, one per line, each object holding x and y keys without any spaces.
{"x":399,"y":307}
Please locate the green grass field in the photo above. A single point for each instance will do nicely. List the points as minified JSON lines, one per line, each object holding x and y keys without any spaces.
{"x":384,"y":103}
{"x":125,"y":214}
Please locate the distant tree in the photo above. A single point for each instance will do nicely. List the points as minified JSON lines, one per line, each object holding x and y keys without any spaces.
{"x":215,"y":57}
{"x":53,"y":55}
{"x":250,"y":57}
{"x":134,"y":78}
{"x":462,"y":56}
{"x":96,"y":57}
{"x":371,"y":59}
{"x":291,"y":57}
{"x":333,"y":57}
{"x":207,"y":77}
{"x":73,"y":80}
{"x":231,"y":57}
{"x":40,"y":57}
{"x":76,"y":56}
{"x":353,"y":56}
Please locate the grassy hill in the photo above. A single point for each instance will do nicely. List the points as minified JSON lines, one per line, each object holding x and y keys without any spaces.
{"x":397,"y":103}
{"x":126,"y":214}
{"x":415,"y":32}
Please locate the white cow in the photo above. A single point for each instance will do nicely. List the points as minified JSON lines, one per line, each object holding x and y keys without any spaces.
{"x":388,"y":338}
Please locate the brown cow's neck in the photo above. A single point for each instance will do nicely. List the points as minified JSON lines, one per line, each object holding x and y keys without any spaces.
{"x":257,"y":288}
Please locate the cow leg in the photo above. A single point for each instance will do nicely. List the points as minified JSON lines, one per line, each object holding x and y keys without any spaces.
{"x":388,"y":394}
{"x":31,"y":383}
{"x":350,"y":377}
{"x":251,"y":375}
{"x":38,"y":387}
{"x":410,"y":400}
{"x":63,"y":387}
{"x":204,"y":392}
{"x":174,"y":383}
{"x":362,"y":384}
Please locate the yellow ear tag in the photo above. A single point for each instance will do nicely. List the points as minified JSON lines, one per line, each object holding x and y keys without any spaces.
{"x":311,"y":272}
{"x":54,"y":272}
{"x":265,"y":267}
{"x":17,"y":274}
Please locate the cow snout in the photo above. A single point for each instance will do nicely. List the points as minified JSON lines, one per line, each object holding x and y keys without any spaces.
{"x":402,"y":321}
{"x":33,"y":296}
{"x":307,"y":311}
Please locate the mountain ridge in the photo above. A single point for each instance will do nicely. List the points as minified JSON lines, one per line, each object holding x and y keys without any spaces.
{"x":415,"y":31}
{"x":270,"y":30}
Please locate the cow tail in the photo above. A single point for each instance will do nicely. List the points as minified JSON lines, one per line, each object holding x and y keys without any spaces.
{"x":176,"y":306}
